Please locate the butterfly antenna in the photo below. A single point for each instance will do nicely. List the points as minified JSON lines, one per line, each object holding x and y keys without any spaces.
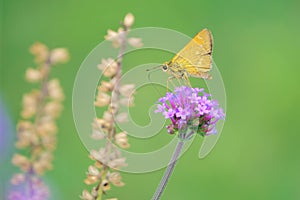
{"x":153,"y":68}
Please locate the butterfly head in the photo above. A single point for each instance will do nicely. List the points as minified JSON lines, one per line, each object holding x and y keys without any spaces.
{"x":165,"y":67}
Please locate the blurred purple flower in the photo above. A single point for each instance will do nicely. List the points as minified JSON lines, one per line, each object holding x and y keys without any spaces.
{"x":33,"y":188}
{"x":190,"y":106}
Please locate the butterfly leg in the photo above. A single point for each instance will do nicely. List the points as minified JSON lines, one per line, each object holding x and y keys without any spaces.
{"x":186,"y":79}
{"x":179,"y":82}
{"x":170,"y":79}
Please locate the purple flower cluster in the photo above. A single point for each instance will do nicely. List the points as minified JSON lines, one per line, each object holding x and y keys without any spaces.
{"x":188,"y":105}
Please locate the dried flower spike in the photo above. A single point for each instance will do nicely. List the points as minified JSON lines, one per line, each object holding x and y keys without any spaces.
{"x":37,"y":130}
{"x":111,"y":95}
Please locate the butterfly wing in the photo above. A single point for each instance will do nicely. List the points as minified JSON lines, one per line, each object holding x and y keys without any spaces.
{"x":195,"y":58}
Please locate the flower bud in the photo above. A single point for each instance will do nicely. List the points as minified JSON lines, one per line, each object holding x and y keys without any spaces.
{"x":107,"y":116}
{"x":102,"y":99}
{"x":114,"y":37}
{"x":86,"y":195}
{"x":91,"y":180}
{"x":135,"y":42}
{"x":122,"y":140}
{"x":53,"y":108}
{"x":59,"y":55}
{"x":105,"y":86}
{"x":127,"y":90}
{"x":129,"y":20}
{"x":116,"y":179}
{"x":98,"y":164}
{"x":117,"y":163}
{"x":122,"y":117}
{"x":33,"y":75}
{"x":108,"y":67}
{"x":40,"y":51}
{"x":21,"y":161}
{"x":55,"y":90}
{"x":93,"y":171}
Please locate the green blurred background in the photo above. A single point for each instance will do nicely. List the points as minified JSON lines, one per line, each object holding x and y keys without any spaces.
{"x":256,"y":49}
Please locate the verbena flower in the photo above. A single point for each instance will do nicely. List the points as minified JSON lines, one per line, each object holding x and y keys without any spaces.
{"x":190,"y":107}
{"x":191,"y":111}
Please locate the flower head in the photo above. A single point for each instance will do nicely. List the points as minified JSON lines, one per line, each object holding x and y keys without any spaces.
{"x":190,"y":106}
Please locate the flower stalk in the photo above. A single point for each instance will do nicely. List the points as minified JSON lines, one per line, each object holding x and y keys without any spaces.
{"x":113,"y":112}
{"x":37,"y":128}
{"x":163,"y":183}
{"x":111,"y":94}
{"x":191,"y":112}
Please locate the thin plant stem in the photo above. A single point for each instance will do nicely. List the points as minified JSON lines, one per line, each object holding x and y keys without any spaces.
{"x":99,"y":197}
{"x":100,"y":192}
{"x":41,"y":104}
{"x":114,"y":102}
{"x":163,"y":183}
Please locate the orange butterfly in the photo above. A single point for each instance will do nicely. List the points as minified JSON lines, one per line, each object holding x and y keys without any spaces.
{"x":195,"y":59}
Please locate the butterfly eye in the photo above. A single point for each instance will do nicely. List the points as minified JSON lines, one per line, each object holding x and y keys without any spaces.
{"x":165,"y":67}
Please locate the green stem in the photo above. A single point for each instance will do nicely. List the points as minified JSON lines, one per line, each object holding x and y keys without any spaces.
{"x":184,"y":135}
{"x":99,"y":197}
{"x":100,"y":191}
{"x":163,"y":183}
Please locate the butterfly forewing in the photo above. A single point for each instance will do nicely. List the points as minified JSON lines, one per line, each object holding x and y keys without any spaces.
{"x":195,"y":58}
